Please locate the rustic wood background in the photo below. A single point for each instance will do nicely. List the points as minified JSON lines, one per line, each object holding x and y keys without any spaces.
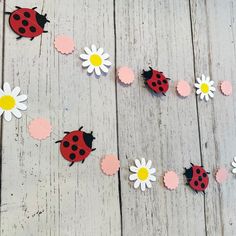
{"x":42,"y":195}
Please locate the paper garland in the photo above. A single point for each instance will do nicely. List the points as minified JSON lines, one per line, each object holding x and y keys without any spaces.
{"x":110,"y":165}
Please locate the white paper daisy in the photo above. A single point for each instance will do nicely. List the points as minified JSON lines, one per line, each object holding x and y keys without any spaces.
{"x":205,"y":87}
{"x":234,"y":165}
{"x":143,"y":174}
{"x":11,"y":102}
{"x":96,"y":60}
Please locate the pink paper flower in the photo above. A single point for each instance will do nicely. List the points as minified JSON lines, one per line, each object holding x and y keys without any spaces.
{"x":226,"y":87}
{"x":40,"y":129}
{"x":125,"y":75}
{"x":221,"y":175}
{"x":64,"y":44}
{"x":110,"y":165}
{"x":171,"y":180}
{"x":183,"y":88}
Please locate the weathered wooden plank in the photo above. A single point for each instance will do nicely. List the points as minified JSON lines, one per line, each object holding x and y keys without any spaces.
{"x":41,"y":194}
{"x":163,"y":129}
{"x":213,"y":24}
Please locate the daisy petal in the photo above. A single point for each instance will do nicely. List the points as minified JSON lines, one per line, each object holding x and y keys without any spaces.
{"x":1,"y":111}
{"x":149,"y":164}
{"x":7,"y":115}
{"x":21,"y":98}
{"x":107,"y":63}
{"x":149,"y":184}
{"x":104,"y":68}
{"x":143,"y":162}
{"x":6,"y":88}
{"x":206,"y":97}
{"x":137,"y":163}
{"x":90,"y":69}
{"x":87,"y":50}
{"x":97,"y":71}
{"x":198,"y":91}
{"x":21,"y":106}
{"x":211,"y":82}
{"x":133,"y":177}
{"x":105,"y":56}
{"x":16,"y":91}
{"x":152,"y":171}
{"x":234,"y":170}
{"x":94,"y":48}
{"x":152,"y":178}
{"x":235,"y":158}
{"x":136,"y":183}
{"x":84,"y":56}
{"x":16,"y":113}
{"x":211,"y":94}
{"x":100,"y":51}
{"x":143,"y":186}
{"x":202,"y":96}
{"x":199,"y":80}
{"x":133,"y":169}
{"x":86,"y":63}
{"x":203,"y":78}
{"x":197,"y":85}
{"x":207,"y":79}
{"x":233,"y":164}
{"x":212,"y":89}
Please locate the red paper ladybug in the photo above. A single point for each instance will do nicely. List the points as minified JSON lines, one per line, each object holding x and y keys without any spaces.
{"x":27,"y":22}
{"x":156,"y":81}
{"x":76,"y":145}
{"x":197,"y":178}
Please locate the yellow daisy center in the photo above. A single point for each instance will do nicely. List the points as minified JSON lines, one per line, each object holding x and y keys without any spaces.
{"x":96,"y":60}
{"x":205,"y":88}
{"x":143,"y":173}
{"x":7,"y":102}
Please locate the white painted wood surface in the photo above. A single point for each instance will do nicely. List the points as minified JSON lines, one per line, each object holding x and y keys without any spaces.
{"x":41,"y":195}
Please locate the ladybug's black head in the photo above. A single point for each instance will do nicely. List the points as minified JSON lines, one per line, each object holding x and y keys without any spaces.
{"x":189,"y":174}
{"x":147,"y":74}
{"x":88,"y":139}
{"x":42,"y":19}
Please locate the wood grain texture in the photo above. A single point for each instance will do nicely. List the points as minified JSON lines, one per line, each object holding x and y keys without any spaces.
{"x":213,"y":24}
{"x":41,"y":194}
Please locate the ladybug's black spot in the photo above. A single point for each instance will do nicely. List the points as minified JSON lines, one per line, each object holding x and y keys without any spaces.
{"x":72,"y":156}
{"x":165,"y":81}
{"x":27,"y":14}
{"x":16,"y":17}
{"x":198,"y":171}
{"x":154,"y":84}
{"x":159,"y":82}
{"x":74,"y":147}
{"x":158,"y":76}
{"x":204,"y":175}
{"x":32,"y":29}
{"x":195,"y":183}
{"x":161,"y":89}
{"x":25,"y":22}
{"x":81,"y":152}
{"x":75,"y":138}
{"x":200,"y":178}
{"x":203,"y":185}
{"x":66,"y":144}
{"x":21,"y":30}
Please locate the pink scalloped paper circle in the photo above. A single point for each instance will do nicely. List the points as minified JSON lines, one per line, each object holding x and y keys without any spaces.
{"x":64,"y":44}
{"x":183,"y":88}
{"x":171,"y":180}
{"x":221,"y":175}
{"x":40,"y":129}
{"x":110,"y":165}
{"x":125,"y":75}
{"x":226,"y":87}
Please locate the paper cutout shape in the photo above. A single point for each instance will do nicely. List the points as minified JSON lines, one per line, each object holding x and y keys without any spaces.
{"x":11,"y":102}
{"x":171,"y":180}
{"x":26,"y":22}
{"x":226,"y":87}
{"x":197,"y":178}
{"x":125,"y":75}
{"x":183,"y":88}
{"x":221,"y":175}
{"x":40,"y":129}
{"x":205,"y":88}
{"x":110,"y":165}
{"x":143,"y":174}
{"x":64,"y":44}
{"x":156,"y":81}
{"x":76,"y":145}
{"x":234,"y":165}
{"x":95,"y":60}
